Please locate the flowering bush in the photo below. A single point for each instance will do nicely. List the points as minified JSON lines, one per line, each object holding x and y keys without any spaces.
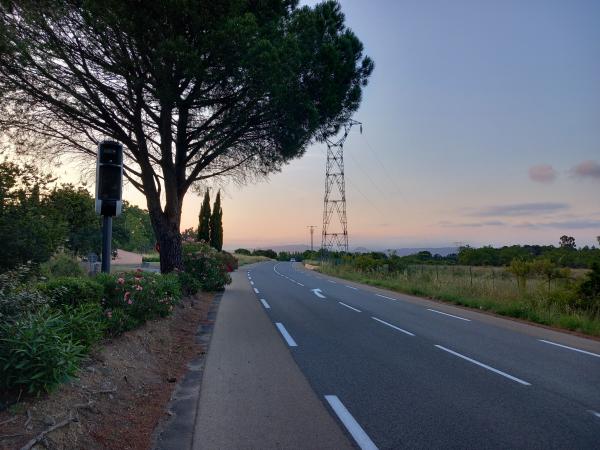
{"x":140,"y":295}
{"x":206,"y":265}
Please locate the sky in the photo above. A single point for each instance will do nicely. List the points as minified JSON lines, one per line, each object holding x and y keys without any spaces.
{"x":481,"y":125}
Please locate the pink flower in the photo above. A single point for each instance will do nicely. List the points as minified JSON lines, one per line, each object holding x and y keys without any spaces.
{"x":109,"y":314}
{"x":129,"y":301}
{"x":137,"y":279}
{"x":121,"y":280}
{"x":126,"y":296}
{"x":138,"y":288}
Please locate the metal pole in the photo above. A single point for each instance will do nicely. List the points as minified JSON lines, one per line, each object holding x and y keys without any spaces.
{"x":106,"y":241}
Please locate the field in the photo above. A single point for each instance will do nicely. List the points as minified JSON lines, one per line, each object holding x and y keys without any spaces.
{"x":249,"y":259}
{"x":490,"y":289}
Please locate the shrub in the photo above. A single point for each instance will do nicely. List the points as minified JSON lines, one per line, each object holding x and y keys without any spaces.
{"x":141,"y":295}
{"x":71,"y":291}
{"x":85,"y":323}
{"x":16,"y":296}
{"x":190,"y":285}
{"x":230,"y":261}
{"x":117,"y":321}
{"x":37,"y":352}
{"x":242,"y":251}
{"x":588,"y":290}
{"x":206,"y":265}
{"x":62,"y":265}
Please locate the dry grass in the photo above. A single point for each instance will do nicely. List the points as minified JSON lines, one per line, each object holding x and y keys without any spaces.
{"x":491,"y":289}
{"x":248,"y":259}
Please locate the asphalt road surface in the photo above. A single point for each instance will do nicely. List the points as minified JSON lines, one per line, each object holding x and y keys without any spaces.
{"x":399,"y":372}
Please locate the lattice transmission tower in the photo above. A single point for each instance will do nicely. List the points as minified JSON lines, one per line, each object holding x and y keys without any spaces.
{"x":334,"y":235}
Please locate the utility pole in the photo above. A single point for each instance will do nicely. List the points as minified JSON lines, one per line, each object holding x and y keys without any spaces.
{"x":312,"y":232}
{"x":335,"y":194}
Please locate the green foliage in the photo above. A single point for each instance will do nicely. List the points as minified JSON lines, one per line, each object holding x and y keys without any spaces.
{"x":118,"y":321}
{"x":30,"y":231}
{"x":563,"y":256}
{"x":206,"y":265}
{"x":37,"y":352}
{"x":72,"y":291}
{"x":520,"y":269}
{"x":152,"y":257}
{"x":588,"y":290}
{"x":85,"y":324}
{"x":132,"y":230}
{"x":75,"y":206}
{"x":216,"y":224}
{"x":204,"y":219}
{"x":17,"y":295}
{"x":267,"y":253}
{"x":62,"y":265}
{"x":242,"y":251}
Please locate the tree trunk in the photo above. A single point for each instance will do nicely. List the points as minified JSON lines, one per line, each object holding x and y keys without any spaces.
{"x":168,"y":237}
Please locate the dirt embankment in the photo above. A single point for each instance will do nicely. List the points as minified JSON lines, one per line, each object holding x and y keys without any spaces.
{"x":121,"y":391}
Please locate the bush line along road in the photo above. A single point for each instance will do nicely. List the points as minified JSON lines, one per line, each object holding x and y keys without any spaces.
{"x":400,"y":372}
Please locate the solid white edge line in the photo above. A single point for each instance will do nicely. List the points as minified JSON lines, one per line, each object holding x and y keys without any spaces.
{"x":570,"y":348}
{"x":383,"y":296}
{"x":485,"y":366}
{"x":331,"y":281}
{"x":348,"y":306}
{"x":360,"y":436}
{"x":446,"y":314}
{"x":392,"y":326}
{"x":289,"y":339}
{"x":256,"y":290}
{"x":597,"y":414}
{"x":351,"y":287}
{"x":265,"y":304}
{"x":300,"y":284}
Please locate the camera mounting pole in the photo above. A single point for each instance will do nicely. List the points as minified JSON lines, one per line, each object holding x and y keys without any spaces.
{"x":109,"y":187}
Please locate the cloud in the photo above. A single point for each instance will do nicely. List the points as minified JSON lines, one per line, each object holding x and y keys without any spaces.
{"x":542,"y":173}
{"x":487,"y":223}
{"x":576,"y":224}
{"x":587,"y":169}
{"x":521,"y":209}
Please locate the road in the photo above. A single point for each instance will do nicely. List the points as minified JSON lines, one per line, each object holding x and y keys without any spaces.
{"x":399,"y":372}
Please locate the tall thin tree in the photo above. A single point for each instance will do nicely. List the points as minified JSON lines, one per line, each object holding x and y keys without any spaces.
{"x":216,"y":224}
{"x":204,"y":219}
{"x":193,"y":89}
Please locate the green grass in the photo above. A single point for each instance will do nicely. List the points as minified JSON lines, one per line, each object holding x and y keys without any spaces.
{"x":488,"y":289}
{"x":248,"y":259}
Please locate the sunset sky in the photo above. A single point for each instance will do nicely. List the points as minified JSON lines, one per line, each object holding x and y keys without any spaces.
{"x":481,"y":126}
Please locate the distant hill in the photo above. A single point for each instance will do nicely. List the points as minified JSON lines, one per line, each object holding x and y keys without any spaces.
{"x":443,"y":251}
{"x":293,"y":248}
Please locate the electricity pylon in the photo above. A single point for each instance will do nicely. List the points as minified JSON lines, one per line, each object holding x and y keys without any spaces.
{"x":312,"y":232}
{"x":334,"y":235}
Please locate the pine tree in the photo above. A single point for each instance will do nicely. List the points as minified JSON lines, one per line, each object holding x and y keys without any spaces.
{"x":216,"y":224}
{"x":204,"y":219}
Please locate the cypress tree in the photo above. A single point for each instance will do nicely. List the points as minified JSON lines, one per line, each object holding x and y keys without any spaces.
{"x":216,"y":224}
{"x":204,"y":219}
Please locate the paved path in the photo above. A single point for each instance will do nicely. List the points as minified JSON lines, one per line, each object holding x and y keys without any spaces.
{"x":253,"y":394}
